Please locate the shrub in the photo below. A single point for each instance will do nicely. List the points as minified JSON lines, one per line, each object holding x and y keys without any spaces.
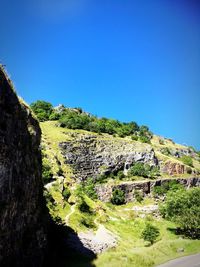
{"x":66,"y":193}
{"x":120,"y":175}
{"x":183,"y":208}
{"x":83,"y":206}
{"x":118,"y":197}
{"x":134,"y":137}
{"x":54,"y":116}
{"x":144,"y":139}
{"x":187,"y":160}
{"x":189,"y":170}
{"x":139,"y":169}
{"x":168,"y":186}
{"x":89,"y":189}
{"x":150,"y":233}
{"x":138,"y":196}
{"x":165,"y":151}
{"x":87,"y":222}
{"x":144,"y":170}
{"x":42,"y":109}
{"x":47,"y":174}
{"x":161,"y":142}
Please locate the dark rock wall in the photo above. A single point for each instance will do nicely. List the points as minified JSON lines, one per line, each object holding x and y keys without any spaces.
{"x":22,"y":208}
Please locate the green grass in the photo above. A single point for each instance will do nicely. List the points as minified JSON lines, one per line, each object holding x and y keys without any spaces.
{"x":133,"y":251}
{"x":125,"y":224}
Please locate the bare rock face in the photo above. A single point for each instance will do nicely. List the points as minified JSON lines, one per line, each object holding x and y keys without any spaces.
{"x":22,"y":209}
{"x":91,"y":155}
{"x":105,"y":191}
{"x":172,"y":168}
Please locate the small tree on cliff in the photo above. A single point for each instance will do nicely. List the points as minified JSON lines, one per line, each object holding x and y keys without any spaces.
{"x":42,"y":109}
{"x":118,"y":197}
{"x":150,"y":233}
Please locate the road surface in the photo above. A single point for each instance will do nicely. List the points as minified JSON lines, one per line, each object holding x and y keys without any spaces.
{"x":188,"y":261}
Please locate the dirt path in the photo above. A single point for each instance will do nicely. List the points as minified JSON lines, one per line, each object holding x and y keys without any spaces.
{"x":71,"y":212}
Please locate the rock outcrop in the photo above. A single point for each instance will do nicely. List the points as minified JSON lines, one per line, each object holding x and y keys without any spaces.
{"x":173,"y":168}
{"x":104,"y":191}
{"x":22,"y":208}
{"x":91,"y":155}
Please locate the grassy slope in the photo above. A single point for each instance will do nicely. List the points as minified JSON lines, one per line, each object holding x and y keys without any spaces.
{"x":131,"y":250}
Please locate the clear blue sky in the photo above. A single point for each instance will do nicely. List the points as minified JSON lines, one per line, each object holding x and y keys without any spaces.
{"x":130,"y":60}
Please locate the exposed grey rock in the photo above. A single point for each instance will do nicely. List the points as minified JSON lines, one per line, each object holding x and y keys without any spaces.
{"x":104,"y":191}
{"x":91,"y":156}
{"x":22,"y":209}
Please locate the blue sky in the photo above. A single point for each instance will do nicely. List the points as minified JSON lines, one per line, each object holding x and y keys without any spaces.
{"x":123,"y":59}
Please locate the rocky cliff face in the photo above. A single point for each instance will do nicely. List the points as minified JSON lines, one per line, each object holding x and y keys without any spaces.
{"x":91,"y":155}
{"x":22,"y":209}
{"x":105,"y":191}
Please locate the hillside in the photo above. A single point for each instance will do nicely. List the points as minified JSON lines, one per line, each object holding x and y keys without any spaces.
{"x":82,"y":170}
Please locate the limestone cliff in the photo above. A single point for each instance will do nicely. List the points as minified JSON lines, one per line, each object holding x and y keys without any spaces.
{"x":22,"y":234}
{"x":90,"y":155}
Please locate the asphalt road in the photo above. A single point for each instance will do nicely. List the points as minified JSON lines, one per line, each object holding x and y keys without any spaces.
{"x":188,"y":261}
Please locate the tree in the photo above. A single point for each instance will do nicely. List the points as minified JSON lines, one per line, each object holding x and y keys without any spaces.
{"x":183,"y":208}
{"x":89,"y":188}
{"x":150,"y":233}
{"x":42,"y":109}
{"x":118,"y":197}
{"x":144,"y":170}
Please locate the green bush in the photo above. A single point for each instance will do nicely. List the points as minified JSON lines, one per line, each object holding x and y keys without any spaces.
{"x":66,"y":193}
{"x":183,"y":208}
{"x":144,"y":139}
{"x":54,"y":116}
{"x":118,"y":197}
{"x":150,"y":233}
{"x":134,"y":137}
{"x":144,"y":170}
{"x":83,"y":206}
{"x":138,"y":196}
{"x":161,"y":142}
{"x":47,"y":174}
{"x":87,"y":222}
{"x":165,"y":151}
{"x":189,"y":170}
{"x":42,"y":109}
{"x":167,"y":186}
{"x":120,"y":175}
{"x":187,"y":160}
{"x":89,"y":188}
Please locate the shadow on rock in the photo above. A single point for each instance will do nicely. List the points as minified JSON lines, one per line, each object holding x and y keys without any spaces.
{"x":65,"y":248}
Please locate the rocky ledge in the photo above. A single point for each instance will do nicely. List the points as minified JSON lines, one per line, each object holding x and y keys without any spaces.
{"x":104,"y":191}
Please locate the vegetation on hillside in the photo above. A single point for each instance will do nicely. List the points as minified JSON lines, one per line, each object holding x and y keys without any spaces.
{"x":77,"y":119}
{"x":85,"y":211}
{"x":183,"y":208}
{"x":144,"y":170}
{"x":150,"y":233}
